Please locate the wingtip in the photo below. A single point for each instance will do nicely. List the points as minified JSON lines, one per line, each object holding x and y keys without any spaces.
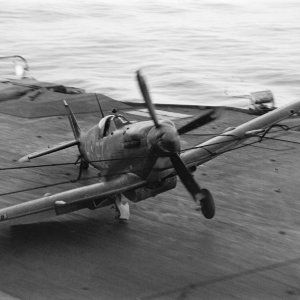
{"x":139,"y":73}
{"x":24,"y":159}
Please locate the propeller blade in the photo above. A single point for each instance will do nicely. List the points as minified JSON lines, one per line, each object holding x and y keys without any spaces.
{"x":147,"y":99}
{"x":202,"y":197}
{"x":186,"y":177}
{"x":206,"y":118}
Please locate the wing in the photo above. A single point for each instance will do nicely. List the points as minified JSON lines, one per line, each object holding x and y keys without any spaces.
{"x":230,"y":139}
{"x":71,"y":200}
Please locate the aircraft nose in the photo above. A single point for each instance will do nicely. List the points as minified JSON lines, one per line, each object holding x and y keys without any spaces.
{"x":164,"y":140}
{"x":169,"y":141}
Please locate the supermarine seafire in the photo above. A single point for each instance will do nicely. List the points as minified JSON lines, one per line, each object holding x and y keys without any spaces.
{"x":146,"y":155}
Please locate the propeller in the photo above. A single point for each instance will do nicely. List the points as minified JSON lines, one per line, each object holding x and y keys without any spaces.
{"x":167,"y":146}
{"x":146,"y":96}
{"x":209,"y":116}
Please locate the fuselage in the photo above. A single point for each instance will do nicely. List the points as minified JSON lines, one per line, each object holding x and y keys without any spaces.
{"x":115,"y":148}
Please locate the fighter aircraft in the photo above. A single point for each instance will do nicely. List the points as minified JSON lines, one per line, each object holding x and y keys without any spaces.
{"x":147,"y":156}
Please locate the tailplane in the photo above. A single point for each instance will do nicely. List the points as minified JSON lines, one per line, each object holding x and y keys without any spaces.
{"x":76,"y":131}
{"x":49,"y":150}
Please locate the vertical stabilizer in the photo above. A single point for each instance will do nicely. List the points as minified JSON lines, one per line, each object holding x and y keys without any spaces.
{"x":73,"y":121}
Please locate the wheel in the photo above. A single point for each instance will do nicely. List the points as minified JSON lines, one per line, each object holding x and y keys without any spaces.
{"x":207,"y":204}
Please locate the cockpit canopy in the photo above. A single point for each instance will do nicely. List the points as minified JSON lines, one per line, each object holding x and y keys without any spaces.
{"x":111,"y":123}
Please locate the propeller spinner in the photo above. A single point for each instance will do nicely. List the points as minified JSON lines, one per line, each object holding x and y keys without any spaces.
{"x":168,"y":145}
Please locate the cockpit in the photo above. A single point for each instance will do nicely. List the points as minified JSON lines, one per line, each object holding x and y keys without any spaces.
{"x":111,"y":123}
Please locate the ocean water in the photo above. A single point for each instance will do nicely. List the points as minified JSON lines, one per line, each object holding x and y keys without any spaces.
{"x":191,"y":51}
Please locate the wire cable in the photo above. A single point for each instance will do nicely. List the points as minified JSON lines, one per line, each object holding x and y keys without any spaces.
{"x":68,"y":163}
{"x":44,"y":186}
{"x":235,"y":138}
{"x":98,"y":176}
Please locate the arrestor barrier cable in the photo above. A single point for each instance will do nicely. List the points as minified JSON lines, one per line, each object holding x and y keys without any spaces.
{"x":141,"y":157}
{"x":102,"y":160}
{"x":121,"y":173}
{"x":99,"y":176}
{"x":91,"y":177}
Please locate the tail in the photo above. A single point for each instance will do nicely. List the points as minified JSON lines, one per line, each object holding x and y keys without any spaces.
{"x":76,"y":131}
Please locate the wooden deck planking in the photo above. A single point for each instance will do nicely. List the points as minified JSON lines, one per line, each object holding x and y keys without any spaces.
{"x":167,"y":250}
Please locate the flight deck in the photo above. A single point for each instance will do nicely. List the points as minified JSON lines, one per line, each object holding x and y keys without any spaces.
{"x":167,"y":250}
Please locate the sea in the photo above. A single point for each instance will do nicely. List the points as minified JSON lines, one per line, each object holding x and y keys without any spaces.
{"x":208,"y":52}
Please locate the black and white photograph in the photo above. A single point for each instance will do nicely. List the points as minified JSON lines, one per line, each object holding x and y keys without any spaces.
{"x":149,"y":149}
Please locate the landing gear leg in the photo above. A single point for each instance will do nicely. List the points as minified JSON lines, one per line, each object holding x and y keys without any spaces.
{"x":84,"y":165}
{"x":122,"y":208}
{"x":207,"y":204}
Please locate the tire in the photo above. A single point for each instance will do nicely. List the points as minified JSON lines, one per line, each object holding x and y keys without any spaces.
{"x":207,"y":204}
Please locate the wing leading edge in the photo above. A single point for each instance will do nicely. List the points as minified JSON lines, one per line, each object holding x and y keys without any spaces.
{"x":71,"y":200}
